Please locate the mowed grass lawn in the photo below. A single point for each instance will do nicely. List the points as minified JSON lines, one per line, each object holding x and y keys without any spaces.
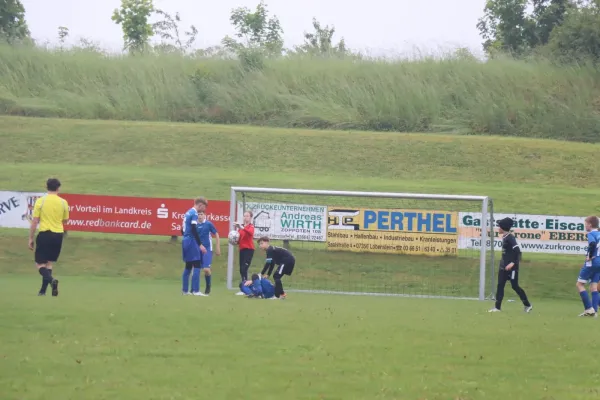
{"x":109,"y":338}
{"x":120,"y":329}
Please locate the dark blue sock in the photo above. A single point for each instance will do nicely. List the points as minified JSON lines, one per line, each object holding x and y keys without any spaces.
{"x":595,"y":300}
{"x":208,"y":279}
{"x":585,"y":298}
{"x":196,"y":280}
{"x":186,"y":280}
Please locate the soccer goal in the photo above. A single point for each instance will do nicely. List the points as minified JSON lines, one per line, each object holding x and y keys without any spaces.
{"x":370,"y":243}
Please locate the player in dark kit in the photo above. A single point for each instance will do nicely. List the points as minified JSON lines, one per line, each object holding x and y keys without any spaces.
{"x":509,"y":266}
{"x":280,"y":257}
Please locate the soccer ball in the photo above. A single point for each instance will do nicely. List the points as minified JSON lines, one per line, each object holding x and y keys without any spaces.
{"x":233,"y":237}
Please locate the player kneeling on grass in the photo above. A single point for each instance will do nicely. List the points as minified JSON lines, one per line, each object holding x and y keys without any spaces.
{"x":590,"y":272}
{"x":258,"y":288}
{"x":509,"y":266}
{"x":283,"y":258}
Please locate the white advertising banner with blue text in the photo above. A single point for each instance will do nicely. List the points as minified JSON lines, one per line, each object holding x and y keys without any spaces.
{"x":302,"y":222}
{"x":535,"y":233}
{"x":16,"y":208}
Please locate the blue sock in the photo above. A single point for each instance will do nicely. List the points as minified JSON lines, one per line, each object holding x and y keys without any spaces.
{"x":208,"y":279}
{"x":196,"y":280}
{"x":186,"y":280}
{"x":595,"y":300}
{"x":585,"y":298}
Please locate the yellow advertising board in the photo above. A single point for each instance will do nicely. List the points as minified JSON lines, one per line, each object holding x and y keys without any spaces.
{"x":427,"y":232}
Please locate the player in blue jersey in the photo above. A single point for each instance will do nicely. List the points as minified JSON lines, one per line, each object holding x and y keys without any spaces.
{"x":191,"y":247}
{"x":590,"y":272}
{"x":258,"y":288}
{"x":205,"y":230}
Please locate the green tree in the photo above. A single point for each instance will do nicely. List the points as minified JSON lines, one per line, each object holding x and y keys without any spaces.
{"x":169,"y":30}
{"x":63,"y":33}
{"x":548,"y":14}
{"x":320,"y":42}
{"x":133,"y":17}
{"x":13,"y":26}
{"x":507,"y":26}
{"x":256,"y":32}
{"x":578,"y":38}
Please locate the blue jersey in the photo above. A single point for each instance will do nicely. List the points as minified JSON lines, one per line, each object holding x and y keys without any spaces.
{"x":205,"y":229}
{"x":190,"y":220}
{"x":259,"y":288}
{"x":594,"y":247}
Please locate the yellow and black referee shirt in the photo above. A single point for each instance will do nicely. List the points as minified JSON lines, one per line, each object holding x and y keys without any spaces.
{"x":52,"y":210}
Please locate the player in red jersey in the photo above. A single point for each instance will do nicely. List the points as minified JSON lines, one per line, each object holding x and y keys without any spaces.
{"x":246,"y":244}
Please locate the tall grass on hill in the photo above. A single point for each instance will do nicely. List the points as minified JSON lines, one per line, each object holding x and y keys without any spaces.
{"x":500,"y":96}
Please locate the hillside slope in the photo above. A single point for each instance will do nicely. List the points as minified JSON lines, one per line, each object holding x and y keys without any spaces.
{"x":168,"y":159}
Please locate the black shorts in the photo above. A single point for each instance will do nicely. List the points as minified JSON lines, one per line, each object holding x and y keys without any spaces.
{"x":285,"y":268}
{"x":193,"y":264}
{"x":47,"y":247}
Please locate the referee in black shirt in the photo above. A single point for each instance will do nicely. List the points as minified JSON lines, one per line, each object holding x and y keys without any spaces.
{"x":509,"y":266}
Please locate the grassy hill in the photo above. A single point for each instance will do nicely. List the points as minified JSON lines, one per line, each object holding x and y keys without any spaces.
{"x":168,"y":159}
{"x":504,"y":97}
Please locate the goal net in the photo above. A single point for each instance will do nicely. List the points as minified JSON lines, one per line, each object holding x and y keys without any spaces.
{"x":397,"y":244}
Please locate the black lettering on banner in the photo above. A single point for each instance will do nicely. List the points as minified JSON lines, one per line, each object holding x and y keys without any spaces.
{"x":8,"y":205}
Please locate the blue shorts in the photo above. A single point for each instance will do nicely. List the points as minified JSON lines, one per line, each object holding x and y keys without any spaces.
{"x":207,"y":259}
{"x":589,"y":274}
{"x":190,"y":250}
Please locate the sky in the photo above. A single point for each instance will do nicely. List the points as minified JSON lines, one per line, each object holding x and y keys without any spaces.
{"x":379,"y":26}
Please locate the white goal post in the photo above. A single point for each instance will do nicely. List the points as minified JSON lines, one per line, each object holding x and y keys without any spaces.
{"x":393,"y":271}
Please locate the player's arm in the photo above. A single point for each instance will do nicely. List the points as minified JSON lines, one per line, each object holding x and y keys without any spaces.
{"x":65,"y":212}
{"x":214,"y":231}
{"x":268,"y":266}
{"x":268,"y":263}
{"x":194,"y":223}
{"x":37,"y":211}
{"x":257,"y":288}
{"x":249,"y":230}
{"x":592,"y":246}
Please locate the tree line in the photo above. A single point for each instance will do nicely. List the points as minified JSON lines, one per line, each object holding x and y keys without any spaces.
{"x":567,"y":30}
{"x":257,"y":33}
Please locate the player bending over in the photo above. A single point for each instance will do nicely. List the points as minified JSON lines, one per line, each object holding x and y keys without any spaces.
{"x":205,"y":230}
{"x":509,"y":266}
{"x":590,"y":272}
{"x":258,"y":288}
{"x":283,"y":258}
{"x":191,"y":247}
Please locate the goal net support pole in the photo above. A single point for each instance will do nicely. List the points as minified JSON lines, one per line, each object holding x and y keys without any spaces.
{"x":486,"y":236}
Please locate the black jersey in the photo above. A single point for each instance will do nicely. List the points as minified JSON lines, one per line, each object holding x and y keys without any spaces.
{"x":511,"y":251}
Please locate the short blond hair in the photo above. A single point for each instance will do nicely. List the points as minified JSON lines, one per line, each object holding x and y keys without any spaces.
{"x":200,"y":200}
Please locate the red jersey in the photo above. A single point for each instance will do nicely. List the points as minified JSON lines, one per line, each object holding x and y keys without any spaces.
{"x":246,"y":237}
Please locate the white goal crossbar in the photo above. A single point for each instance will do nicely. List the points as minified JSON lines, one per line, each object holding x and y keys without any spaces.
{"x":486,"y":218}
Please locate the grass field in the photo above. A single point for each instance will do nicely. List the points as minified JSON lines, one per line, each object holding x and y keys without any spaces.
{"x":534,"y":98}
{"x":119,"y":329}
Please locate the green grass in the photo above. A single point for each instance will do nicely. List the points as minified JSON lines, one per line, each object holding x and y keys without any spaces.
{"x":119,"y":329}
{"x":152,"y":159}
{"x":119,"y":338}
{"x":501,"y":96}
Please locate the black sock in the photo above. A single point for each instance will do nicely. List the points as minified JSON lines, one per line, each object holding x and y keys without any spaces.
{"x":46,"y":278}
{"x":278,"y":287}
